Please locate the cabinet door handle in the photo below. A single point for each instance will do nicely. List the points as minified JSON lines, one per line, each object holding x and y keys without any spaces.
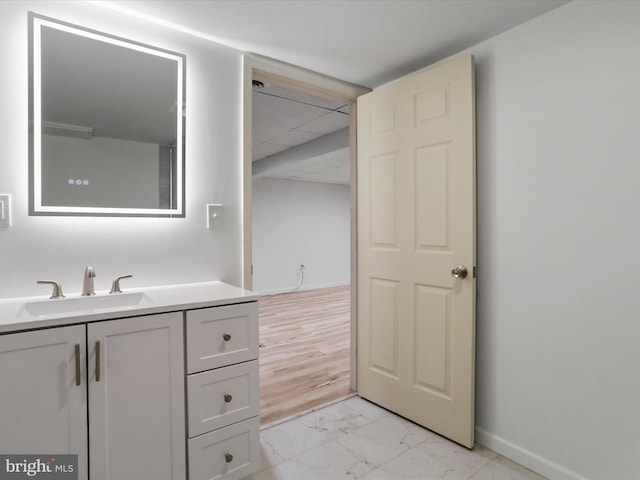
{"x":98,"y":361}
{"x":227,"y":398}
{"x":77,"y":355}
{"x":228,"y":457}
{"x":226,"y":337}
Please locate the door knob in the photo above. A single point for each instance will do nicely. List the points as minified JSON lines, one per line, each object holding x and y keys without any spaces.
{"x":459,"y":272}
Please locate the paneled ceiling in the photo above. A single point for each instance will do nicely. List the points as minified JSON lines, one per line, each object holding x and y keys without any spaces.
{"x":284,"y":118}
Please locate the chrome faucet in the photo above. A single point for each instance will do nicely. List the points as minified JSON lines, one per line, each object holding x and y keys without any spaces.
{"x":87,"y":285}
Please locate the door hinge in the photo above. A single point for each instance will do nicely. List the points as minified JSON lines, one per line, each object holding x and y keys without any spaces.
{"x":475,"y":271}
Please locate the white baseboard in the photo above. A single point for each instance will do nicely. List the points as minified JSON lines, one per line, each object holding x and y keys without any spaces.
{"x":304,"y":287}
{"x":532,"y":461}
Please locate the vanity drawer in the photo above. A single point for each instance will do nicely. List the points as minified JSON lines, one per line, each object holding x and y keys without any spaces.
{"x":231,"y":453}
{"x":223,"y":396}
{"x":221,"y":336}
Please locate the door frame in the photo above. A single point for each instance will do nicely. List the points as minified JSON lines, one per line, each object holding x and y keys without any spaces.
{"x":290,"y":76}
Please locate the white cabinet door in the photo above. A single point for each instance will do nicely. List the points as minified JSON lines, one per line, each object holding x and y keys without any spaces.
{"x":136,"y":398}
{"x":43,"y":406}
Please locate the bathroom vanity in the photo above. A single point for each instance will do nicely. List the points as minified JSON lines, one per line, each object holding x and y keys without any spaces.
{"x":155,"y":383}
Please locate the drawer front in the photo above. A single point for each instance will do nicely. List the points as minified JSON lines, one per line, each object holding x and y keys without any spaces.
{"x":230,"y":453}
{"x":221,"y":336}
{"x":223,"y":396}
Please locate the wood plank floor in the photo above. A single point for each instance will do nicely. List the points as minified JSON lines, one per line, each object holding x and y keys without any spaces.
{"x":305,"y":357}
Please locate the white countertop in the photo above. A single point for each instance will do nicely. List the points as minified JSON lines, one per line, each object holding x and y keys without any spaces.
{"x":167,"y":298}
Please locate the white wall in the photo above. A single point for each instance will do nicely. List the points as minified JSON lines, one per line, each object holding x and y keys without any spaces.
{"x":300,"y":223}
{"x":558,"y":118}
{"x":154,"y":250}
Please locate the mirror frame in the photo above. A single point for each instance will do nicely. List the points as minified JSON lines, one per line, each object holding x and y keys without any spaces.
{"x":36,"y":22}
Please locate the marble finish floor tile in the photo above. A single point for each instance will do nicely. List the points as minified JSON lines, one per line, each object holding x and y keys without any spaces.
{"x":460,"y":459}
{"x":383,"y":440}
{"x":355,"y":439}
{"x":328,"y":461}
{"x":502,"y":468}
{"x":414,"y":465}
{"x":304,"y":433}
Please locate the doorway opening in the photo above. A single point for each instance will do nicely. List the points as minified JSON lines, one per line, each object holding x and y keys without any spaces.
{"x":301,"y":242}
{"x":305,"y":351}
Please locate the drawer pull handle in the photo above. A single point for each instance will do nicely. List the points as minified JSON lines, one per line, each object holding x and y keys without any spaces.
{"x":98,"y":361}
{"x":77,"y":356}
{"x":226,"y":337}
{"x":227,"y":398}
{"x":228,"y":457}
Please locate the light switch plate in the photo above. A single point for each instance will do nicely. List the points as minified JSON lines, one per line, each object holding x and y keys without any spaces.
{"x":214,"y":215}
{"x":5,"y":210}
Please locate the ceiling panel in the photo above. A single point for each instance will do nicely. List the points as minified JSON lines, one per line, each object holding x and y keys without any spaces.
{"x":286,"y":113}
{"x":264,"y":131}
{"x":297,"y":96}
{"x":328,"y":123}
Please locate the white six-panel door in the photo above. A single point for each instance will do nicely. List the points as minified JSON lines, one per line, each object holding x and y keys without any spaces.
{"x":416,"y":225}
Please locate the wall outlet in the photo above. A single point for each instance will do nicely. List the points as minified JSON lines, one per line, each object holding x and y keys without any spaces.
{"x":214,"y":216}
{"x":5,"y":210}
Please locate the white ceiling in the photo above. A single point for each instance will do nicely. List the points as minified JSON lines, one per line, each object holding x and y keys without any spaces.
{"x":366,"y":42}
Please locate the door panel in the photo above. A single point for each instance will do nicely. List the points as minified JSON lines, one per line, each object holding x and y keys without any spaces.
{"x":432,"y":201}
{"x":433,"y":339}
{"x":383,"y":341}
{"x":416,"y":222}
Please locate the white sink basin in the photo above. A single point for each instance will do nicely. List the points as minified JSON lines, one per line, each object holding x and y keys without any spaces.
{"x":58,"y":306}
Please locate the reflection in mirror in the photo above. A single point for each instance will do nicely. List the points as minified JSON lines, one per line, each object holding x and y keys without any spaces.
{"x":106,"y":124}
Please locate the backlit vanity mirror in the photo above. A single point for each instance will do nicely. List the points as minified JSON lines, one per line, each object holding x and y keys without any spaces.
{"x":106,"y":124}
